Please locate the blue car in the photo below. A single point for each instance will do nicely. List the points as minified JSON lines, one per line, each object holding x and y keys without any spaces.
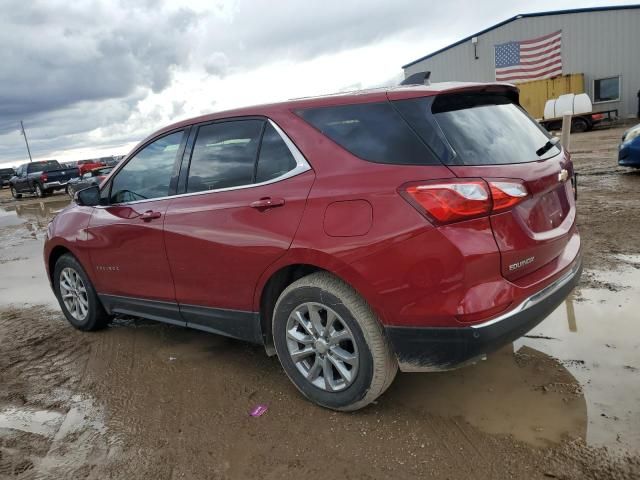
{"x":629,"y":149}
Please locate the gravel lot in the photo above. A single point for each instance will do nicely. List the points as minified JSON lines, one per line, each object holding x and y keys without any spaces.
{"x":147,"y":400}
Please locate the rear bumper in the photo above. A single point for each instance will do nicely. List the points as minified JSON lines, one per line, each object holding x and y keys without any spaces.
{"x":442,"y":348}
{"x":54,"y":185}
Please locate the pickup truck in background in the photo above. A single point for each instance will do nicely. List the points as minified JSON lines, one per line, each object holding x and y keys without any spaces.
{"x":41,"y":178}
{"x":5,"y":176}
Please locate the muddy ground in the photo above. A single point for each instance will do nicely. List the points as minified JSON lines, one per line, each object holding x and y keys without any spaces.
{"x":146,"y":400}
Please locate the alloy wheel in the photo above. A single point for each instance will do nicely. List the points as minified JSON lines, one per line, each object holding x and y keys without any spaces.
{"x":322,"y":347}
{"x":74,"y":293}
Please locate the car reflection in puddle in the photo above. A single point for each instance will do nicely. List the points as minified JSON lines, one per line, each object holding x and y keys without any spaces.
{"x":598,"y":340}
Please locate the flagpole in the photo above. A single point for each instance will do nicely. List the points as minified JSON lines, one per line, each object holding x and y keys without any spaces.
{"x":25,"y":140}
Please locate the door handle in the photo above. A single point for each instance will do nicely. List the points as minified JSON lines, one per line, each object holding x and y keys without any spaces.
{"x":150,"y":215}
{"x":267,"y":202}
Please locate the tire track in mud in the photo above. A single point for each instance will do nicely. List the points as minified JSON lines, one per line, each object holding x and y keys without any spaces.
{"x":176,"y":407}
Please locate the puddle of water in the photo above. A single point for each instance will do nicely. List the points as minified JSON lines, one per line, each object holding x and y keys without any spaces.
{"x":598,"y":340}
{"x":40,"y":422}
{"x":23,"y":280}
{"x":9,"y":219}
{"x":529,"y":395}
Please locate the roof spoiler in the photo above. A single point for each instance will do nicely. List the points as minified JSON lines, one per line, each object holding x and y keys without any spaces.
{"x":420,"y":78}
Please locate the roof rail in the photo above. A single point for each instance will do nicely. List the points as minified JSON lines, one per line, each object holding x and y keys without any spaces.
{"x":420,"y":78}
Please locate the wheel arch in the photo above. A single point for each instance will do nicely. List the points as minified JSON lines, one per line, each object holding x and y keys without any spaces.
{"x":273,"y":282}
{"x":54,"y":255}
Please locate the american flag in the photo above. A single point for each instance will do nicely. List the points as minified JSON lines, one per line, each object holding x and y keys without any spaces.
{"x":532,"y":59}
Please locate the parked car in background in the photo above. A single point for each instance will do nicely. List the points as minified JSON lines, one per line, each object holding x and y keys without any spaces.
{"x":5,"y":175}
{"x":418,"y":227}
{"x":629,"y":149}
{"x":85,"y":166}
{"x":94,"y":177}
{"x":41,"y":178}
{"x":113,"y":161}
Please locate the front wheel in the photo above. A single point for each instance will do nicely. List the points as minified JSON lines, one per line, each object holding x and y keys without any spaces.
{"x":331,"y":344}
{"x":14,"y":193}
{"x":76,"y":295}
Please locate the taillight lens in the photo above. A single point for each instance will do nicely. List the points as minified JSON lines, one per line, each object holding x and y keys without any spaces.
{"x":453,"y":200}
{"x":506,"y":194}
{"x":44,"y":178}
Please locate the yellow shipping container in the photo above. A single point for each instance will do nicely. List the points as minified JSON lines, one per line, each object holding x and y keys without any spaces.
{"x":533,"y":95}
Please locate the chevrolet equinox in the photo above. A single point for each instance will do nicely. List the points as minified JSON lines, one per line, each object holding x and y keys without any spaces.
{"x":414,"y":228}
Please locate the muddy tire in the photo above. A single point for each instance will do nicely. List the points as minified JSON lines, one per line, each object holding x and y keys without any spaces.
{"x":331,"y":344}
{"x":39,"y":191}
{"x":14,"y":193}
{"x":76,"y":295}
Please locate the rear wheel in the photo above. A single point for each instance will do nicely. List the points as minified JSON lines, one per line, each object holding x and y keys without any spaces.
{"x":14,"y":193}
{"x":331,"y":344}
{"x":39,"y":191}
{"x":579,"y":125}
{"x":76,"y":295}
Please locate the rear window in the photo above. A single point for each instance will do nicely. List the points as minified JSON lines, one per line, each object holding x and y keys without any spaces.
{"x":372,"y":131}
{"x":482,"y":129}
{"x":43,"y":166}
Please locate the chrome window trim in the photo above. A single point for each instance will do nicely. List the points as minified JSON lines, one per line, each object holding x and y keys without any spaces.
{"x":301,"y":166}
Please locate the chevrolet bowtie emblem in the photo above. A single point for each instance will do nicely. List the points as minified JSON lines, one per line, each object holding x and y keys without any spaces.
{"x":563,"y":175}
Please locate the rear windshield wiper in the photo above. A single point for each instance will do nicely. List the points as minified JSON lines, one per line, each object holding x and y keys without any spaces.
{"x":553,"y":141}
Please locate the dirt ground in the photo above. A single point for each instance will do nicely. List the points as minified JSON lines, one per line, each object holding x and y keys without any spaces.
{"x":147,"y":400}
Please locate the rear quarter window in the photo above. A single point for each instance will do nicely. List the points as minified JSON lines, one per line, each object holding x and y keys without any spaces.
{"x":372,"y":131}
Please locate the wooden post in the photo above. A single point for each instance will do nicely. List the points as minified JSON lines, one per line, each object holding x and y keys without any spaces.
{"x":566,"y":131}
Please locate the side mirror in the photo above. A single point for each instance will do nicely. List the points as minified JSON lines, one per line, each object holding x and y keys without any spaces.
{"x":88,"y":197}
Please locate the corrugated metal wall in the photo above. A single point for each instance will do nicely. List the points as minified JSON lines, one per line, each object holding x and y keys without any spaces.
{"x":598,"y":44}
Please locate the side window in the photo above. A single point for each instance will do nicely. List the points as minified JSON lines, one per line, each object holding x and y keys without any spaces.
{"x":224,"y":155}
{"x":372,"y":131}
{"x":275,"y":158}
{"x":149,"y":173}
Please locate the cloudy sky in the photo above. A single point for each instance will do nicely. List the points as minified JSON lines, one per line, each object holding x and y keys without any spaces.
{"x":93,"y":77}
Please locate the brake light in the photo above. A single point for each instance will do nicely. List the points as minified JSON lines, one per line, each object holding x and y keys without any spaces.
{"x":44,"y":178}
{"x":454,"y":200}
{"x":506,"y":194}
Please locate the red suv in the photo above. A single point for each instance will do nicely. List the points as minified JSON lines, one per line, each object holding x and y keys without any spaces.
{"x":417,"y":227}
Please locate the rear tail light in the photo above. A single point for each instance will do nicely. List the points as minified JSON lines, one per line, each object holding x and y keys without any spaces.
{"x":44,"y":178}
{"x":506,"y":194}
{"x":454,"y":200}
{"x":597,"y":116}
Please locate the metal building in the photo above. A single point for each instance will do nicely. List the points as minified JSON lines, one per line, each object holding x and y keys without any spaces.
{"x":601,"y":43}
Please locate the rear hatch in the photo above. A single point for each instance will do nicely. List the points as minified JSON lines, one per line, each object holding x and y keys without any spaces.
{"x":486,"y":135}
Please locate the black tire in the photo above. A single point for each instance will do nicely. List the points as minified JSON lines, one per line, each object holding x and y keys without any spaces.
{"x":96,"y":318}
{"x":39,"y":191}
{"x":14,"y":193}
{"x":579,"y":125}
{"x":377,"y":365}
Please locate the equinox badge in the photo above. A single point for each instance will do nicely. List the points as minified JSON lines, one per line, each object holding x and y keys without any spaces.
{"x":522,"y":263}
